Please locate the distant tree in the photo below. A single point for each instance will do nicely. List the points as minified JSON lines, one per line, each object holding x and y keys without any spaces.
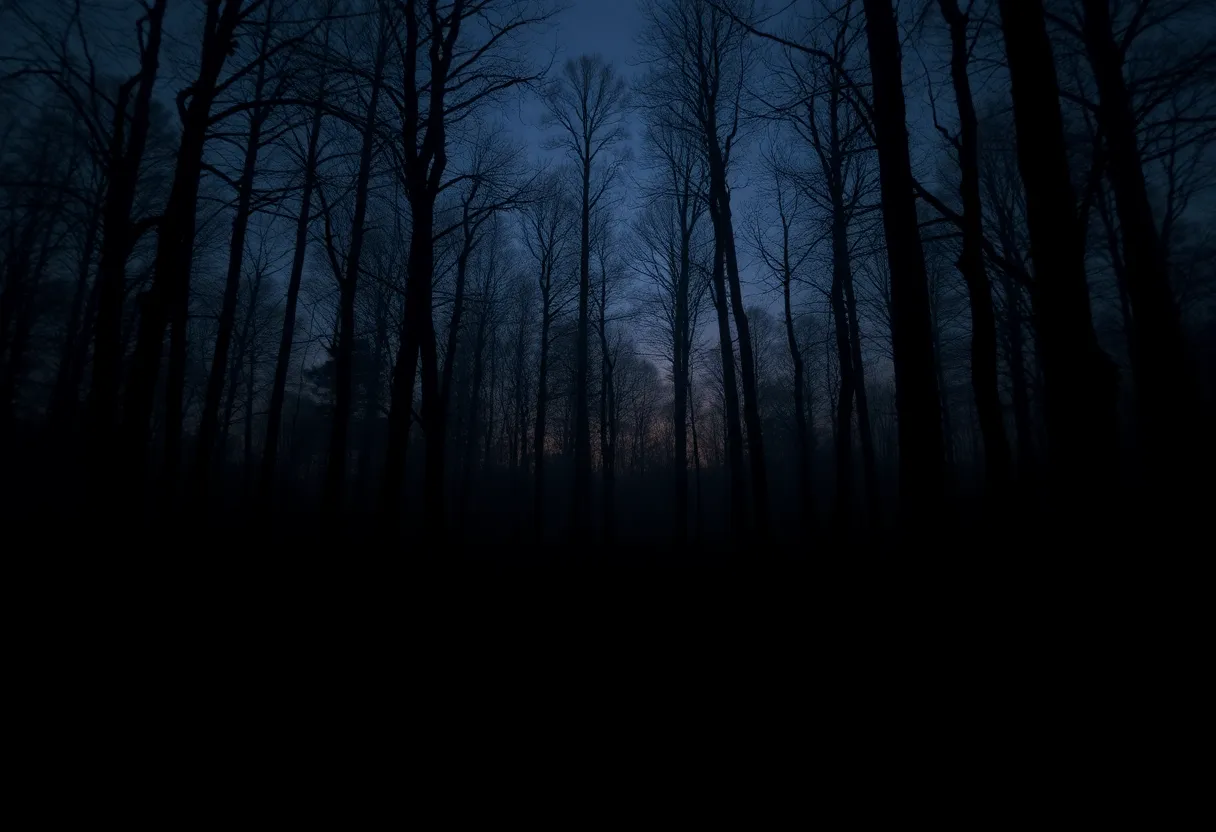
{"x":547,"y":224}
{"x":667,"y":231}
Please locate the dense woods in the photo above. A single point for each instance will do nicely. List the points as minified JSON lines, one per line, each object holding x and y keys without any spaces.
{"x":777,"y":281}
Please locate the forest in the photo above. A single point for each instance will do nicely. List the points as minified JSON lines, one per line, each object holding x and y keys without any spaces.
{"x":785,"y":280}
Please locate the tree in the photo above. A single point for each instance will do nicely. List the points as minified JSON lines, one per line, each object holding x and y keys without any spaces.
{"x":547,"y":225}
{"x":165,"y":303}
{"x":668,"y":232}
{"x":1081,"y":382}
{"x":921,"y":468}
{"x":1165,"y":385}
{"x":335,"y":469}
{"x":455,"y":58}
{"x":813,"y":99}
{"x":784,"y":258}
{"x":588,"y":104}
{"x":971,"y":261}
{"x":705,"y":61}
{"x":240,"y":224}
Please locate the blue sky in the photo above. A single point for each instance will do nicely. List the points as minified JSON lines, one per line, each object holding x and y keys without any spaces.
{"x":605,"y":26}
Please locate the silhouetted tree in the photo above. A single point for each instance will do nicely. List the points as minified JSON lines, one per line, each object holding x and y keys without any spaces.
{"x":588,"y":105}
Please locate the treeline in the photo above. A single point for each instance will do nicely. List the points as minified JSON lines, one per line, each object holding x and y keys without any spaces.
{"x":854,"y":270}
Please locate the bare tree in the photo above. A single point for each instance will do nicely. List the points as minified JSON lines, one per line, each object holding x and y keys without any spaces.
{"x":784,"y":258}
{"x":166,"y":302}
{"x":971,"y":262}
{"x":240,"y":224}
{"x":588,"y":104}
{"x":921,"y":469}
{"x":703,"y":59}
{"x":667,"y":232}
{"x":454,"y":57}
{"x":1081,"y":381}
{"x":547,"y":225}
{"x":1161,"y":365}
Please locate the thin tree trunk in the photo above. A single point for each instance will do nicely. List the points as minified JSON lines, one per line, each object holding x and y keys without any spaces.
{"x":680,"y":342}
{"x":581,"y":502}
{"x":538,"y":443}
{"x":116,"y":243}
{"x":804,"y":443}
{"x":696,"y":459}
{"x":470,"y":455}
{"x":844,"y":405}
{"x":734,"y":431}
{"x":724,"y":226}
{"x":865,"y":433}
{"x":607,"y":431}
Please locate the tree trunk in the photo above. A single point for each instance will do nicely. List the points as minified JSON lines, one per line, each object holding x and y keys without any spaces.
{"x":538,"y":443}
{"x":804,"y":442}
{"x":116,"y":242}
{"x":581,"y":502}
{"x":696,"y":459}
{"x":680,"y":343}
{"x":724,"y":226}
{"x":921,"y":473}
{"x":470,"y":455}
{"x":607,"y":431}
{"x":865,"y":433}
{"x":971,"y":263}
{"x":844,"y":402}
{"x":405,"y":370}
{"x":251,"y":352}
{"x":1080,"y":380}
{"x":236,"y":257}
{"x":453,"y":341}
{"x":734,"y":431}
{"x":1165,"y":385}
{"x":167,"y":301}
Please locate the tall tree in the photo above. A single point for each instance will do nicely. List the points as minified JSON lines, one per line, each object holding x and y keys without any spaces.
{"x":166,"y":302}
{"x":971,"y":261}
{"x":1080,"y":380}
{"x":236,"y":257}
{"x":705,"y":59}
{"x":784,"y":258}
{"x":119,"y":231}
{"x":547,"y":224}
{"x":588,"y":104}
{"x":921,"y":467}
{"x":668,"y":232}
{"x":1165,"y":386}
{"x":455,"y":57}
